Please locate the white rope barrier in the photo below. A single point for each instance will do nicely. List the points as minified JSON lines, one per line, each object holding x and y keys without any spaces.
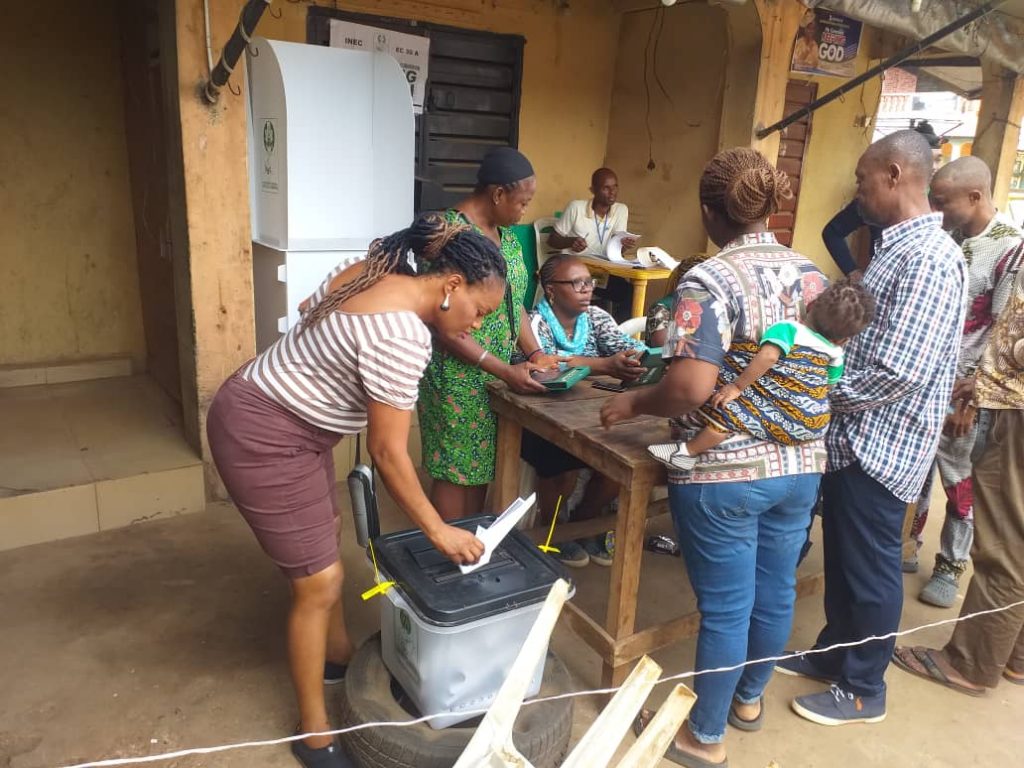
{"x":110,"y":763}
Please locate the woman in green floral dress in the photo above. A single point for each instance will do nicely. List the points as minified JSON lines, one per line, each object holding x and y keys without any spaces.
{"x":457,"y":427}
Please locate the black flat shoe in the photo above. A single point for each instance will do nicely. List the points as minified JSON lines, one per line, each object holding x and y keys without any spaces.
{"x":334,"y":673}
{"x":331,"y":756}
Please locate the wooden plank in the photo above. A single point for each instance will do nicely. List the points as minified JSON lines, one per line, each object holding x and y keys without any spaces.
{"x":779,"y":20}
{"x":796,"y":131}
{"x":482,"y":126}
{"x":462,"y":150}
{"x":598,"y":745}
{"x":506,"y":474}
{"x":449,"y":174}
{"x":475,"y":74}
{"x":462,"y":99}
{"x":590,"y":632}
{"x":629,"y":547}
{"x":473,"y":47}
{"x":591,"y":527}
{"x":649,"y":748}
{"x":651,"y":639}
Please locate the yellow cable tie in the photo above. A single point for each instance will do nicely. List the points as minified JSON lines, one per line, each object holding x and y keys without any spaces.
{"x":546,"y":546}
{"x":379,"y":589}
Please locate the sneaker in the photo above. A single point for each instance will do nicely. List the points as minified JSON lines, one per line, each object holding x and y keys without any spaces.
{"x":671,"y":455}
{"x":803,"y":666}
{"x":572,"y":555}
{"x":595,"y":549}
{"x":838,"y":707}
{"x":940,"y":590}
{"x":911,"y":564}
{"x":334,"y":673}
{"x":331,"y":756}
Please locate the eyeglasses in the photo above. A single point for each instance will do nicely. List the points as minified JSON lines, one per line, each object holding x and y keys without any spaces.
{"x":580,"y":284}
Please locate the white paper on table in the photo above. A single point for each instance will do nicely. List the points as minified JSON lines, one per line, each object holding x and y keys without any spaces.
{"x":499,"y":529}
{"x":652,"y":256}
{"x":613,"y":251}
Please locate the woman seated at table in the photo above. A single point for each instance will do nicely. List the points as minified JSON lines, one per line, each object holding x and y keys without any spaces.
{"x":566,"y":325}
{"x":660,"y":313}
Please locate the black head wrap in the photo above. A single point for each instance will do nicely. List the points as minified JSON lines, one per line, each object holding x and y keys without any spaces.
{"x":503,"y":165}
{"x":925,"y":129}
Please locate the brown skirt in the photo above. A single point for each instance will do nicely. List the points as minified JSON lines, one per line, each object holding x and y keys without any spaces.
{"x":279,"y":471}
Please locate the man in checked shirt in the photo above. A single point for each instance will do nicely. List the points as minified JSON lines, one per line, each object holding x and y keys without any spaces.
{"x":887,"y":414}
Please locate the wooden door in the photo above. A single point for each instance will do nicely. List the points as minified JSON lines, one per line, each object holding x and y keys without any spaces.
{"x":792,"y":149}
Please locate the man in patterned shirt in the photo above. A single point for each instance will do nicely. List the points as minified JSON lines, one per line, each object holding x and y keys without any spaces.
{"x":990,"y":647}
{"x":992,"y":246}
{"x":888,"y":410}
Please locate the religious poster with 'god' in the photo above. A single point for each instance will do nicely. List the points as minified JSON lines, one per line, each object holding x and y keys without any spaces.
{"x":826,"y":43}
{"x":410,"y":51}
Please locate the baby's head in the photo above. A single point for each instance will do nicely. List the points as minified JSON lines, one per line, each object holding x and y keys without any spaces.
{"x":842,"y":311}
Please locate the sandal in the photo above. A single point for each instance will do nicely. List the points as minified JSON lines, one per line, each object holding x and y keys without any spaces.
{"x":674,"y":754}
{"x":1010,"y":677}
{"x":931,"y":670}
{"x":747,"y":725}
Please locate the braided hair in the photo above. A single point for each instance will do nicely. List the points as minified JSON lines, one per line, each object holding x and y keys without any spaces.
{"x":550,"y":267}
{"x":741,"y":184}
{"x":842,"y":311}
{"x":448,"y":247}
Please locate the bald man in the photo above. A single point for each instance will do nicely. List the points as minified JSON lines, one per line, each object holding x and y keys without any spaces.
{"x":993,"y":246}
{"x":586,"y":226}
{"x":887,"y":413}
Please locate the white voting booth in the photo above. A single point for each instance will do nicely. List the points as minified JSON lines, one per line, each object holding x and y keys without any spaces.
{"x":331,"y":167}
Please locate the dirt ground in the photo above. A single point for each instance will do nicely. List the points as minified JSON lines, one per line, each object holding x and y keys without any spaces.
{"x":169,"y":635}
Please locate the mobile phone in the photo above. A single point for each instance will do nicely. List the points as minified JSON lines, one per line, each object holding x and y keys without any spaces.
{"x":563,"y":379}
{"x":608,"y":386}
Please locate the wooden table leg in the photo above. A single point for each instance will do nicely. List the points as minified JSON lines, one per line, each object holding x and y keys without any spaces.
{"x":639,"y":296}
{"x":506,"y":471}
{"x":625,"y":576}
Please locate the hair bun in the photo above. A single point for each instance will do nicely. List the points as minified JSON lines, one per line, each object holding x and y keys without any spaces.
{"x":756,"y":192}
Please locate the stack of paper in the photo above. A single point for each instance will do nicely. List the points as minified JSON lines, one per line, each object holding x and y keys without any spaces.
{"x":655,"y":257}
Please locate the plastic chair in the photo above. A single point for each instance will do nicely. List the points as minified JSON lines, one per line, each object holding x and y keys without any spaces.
{"x":634,"y":326}
{"x":541,"y":229}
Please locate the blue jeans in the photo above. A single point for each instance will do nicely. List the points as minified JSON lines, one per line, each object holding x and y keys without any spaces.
{"x":740,"y":542}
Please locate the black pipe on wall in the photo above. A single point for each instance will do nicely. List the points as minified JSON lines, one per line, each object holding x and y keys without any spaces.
{"x":250,"y":16}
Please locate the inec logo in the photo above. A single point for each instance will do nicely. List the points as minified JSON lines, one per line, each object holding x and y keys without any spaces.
{"x":403,"y":619}
{"x":269,"y":136}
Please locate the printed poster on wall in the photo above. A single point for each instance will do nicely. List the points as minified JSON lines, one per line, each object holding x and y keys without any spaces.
{"x":826,"y":44}
{"x":410,"y":51}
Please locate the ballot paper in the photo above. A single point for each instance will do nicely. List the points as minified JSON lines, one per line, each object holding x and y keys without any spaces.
{"x":613,"y":251}
{"x":655,"y":257}
{"x":499,"y":529}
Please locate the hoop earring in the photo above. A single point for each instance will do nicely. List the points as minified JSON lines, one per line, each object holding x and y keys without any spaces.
{"x":447,"y":303}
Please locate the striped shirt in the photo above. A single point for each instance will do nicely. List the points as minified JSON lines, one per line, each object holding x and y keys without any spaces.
{"x":888,"y":409}
{"x":327,"y":374}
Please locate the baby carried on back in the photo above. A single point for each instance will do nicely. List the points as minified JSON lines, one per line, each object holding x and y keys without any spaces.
{"x":777,"y":389}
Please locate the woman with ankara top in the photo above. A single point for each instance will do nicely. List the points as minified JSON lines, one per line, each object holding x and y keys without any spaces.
{"x":457,"y":427}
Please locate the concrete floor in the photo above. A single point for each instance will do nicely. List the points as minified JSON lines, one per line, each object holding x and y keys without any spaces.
{"x":86,"y":456}
{"x":169,"y":635}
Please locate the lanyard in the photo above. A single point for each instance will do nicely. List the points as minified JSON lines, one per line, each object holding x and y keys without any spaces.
{"x":601,"y":233}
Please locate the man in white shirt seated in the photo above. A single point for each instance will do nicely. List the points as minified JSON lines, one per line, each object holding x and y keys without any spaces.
{"x":586,"y":226}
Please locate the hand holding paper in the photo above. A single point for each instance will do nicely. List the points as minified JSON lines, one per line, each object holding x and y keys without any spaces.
{"x":613,"y":251}
{"x":499,"y":529}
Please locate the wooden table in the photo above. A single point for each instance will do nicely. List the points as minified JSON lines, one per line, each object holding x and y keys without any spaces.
{"x":637,"y":277}
{"x":572,"y":422}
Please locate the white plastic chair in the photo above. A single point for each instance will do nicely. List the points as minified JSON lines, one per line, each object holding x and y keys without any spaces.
{"x":634,"y":326}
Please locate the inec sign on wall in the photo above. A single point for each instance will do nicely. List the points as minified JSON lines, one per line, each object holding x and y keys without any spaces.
{"x":410,"y":51}
{"x":826,"y":44}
